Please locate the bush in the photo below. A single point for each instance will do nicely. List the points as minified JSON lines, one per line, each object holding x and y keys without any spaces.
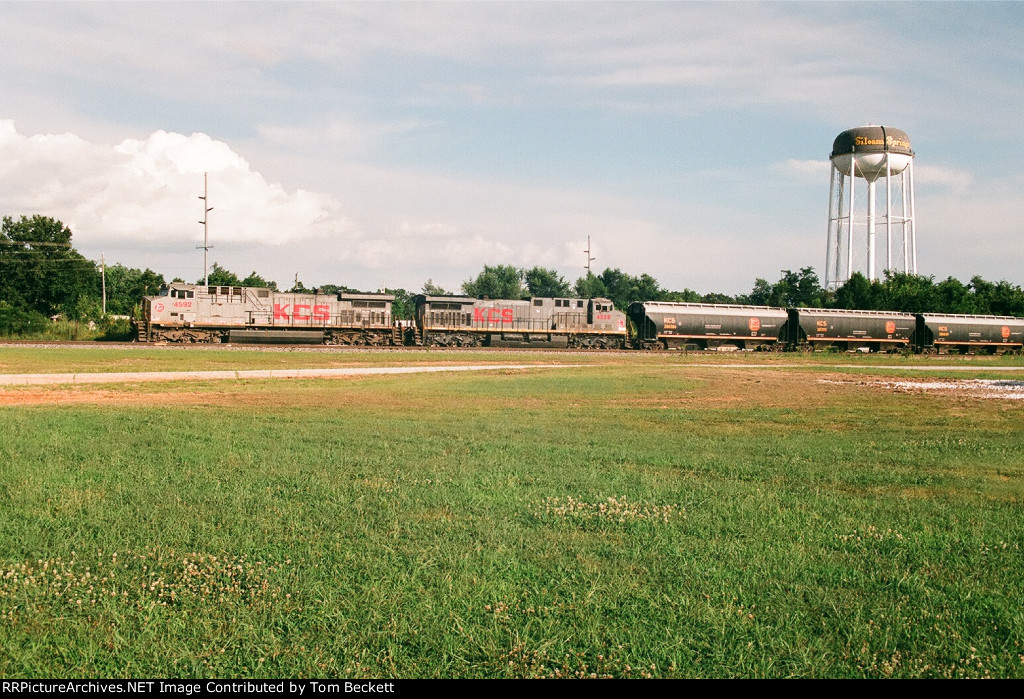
{"x":116,"y":329}
{"x":15,"y":322}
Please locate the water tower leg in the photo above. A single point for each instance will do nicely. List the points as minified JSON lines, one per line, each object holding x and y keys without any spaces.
{"x":871,"y":231}
{"x":888,"y":214}
{"x":849,"y":225}
{"x":831,"y":218}
{"x":913,"y":218}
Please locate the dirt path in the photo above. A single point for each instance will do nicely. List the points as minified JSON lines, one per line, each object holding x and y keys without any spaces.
{"x":140,"y":377}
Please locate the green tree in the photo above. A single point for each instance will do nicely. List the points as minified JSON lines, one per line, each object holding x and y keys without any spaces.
{"x":498,"y":282}
{"x":590,"y":287}
{"x":15,"y":321}
{"x":793,"y":290}
{"x":907,"y":293}
{"x":403,"y":307}
{"x":126,"y":287}
{"x":219,"y":276}
{"x":621,"y":287}
{"x":953,"y":296}
{"x":256,"y":280}
{"x":337,"y":289}
{"x":647,"y":288}
{"x":684,"y":296}
{"x":546,"y":283}
{"x":432,"y":289}
{"x":801,"y":289}
{"x":858,"y":294}
{"x":761,"y":295}
{"x":715,"y":297}
{"x":41,"y":271}
{"x":1003,"y":298}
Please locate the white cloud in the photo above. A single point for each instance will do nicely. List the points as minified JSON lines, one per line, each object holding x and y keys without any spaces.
{"x":352,"y":134}
{"x":944,"y":177}
{"x":804,"y":171}
{"x":141,"y":191}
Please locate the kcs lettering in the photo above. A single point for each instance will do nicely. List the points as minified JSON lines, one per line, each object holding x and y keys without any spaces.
{"x":492,"y":315}
{"x":320,"y":312}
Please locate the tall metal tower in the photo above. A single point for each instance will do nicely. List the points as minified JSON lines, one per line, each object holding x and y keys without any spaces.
{"x":873,"y":154}
{"x":205,"y":247}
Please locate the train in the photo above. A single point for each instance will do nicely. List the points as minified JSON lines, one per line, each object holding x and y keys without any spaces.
{"x":192,"y":313}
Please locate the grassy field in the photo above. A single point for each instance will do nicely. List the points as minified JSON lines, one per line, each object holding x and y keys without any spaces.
{"x":637,"y":516}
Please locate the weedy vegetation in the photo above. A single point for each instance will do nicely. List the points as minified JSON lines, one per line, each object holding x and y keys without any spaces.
{"x":632,"y":518}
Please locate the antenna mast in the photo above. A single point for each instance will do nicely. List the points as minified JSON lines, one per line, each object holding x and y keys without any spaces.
{"x":589,"y":258}
{"x":206,"y":238}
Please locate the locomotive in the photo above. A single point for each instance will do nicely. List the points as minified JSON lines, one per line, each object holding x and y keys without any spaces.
{"x":537,"y":322}
{"x":197,"y":313}
{"x":193,"y":313}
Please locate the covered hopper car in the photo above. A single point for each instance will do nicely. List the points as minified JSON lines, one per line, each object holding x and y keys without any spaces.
{"x":965,"y":334}
{"x":869,"y":331}
{"x":664,"y":325}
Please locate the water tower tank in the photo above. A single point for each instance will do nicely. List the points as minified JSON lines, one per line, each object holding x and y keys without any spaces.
{"x":864,"y":150}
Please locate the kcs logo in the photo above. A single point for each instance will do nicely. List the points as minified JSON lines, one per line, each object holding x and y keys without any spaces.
{"x":492,"y":315}
{"x":320,"y":312}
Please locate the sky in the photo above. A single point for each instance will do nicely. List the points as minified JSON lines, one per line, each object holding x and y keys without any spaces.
{"x":380,"y":145}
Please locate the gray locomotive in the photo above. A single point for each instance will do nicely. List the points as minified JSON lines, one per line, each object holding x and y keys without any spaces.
{"x":192,"y":313}
{"x":463,"y":321}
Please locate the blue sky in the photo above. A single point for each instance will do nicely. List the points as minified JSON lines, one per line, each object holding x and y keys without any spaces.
{"x":385,"y":144}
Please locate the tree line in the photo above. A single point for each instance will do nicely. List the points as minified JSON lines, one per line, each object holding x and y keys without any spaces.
{"x":42,"y":277}
{"x":897,"y":291}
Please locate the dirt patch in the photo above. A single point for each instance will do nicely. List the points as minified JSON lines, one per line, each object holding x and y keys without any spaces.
{"x":85,"y":396}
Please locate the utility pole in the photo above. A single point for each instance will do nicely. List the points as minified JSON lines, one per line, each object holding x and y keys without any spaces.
{"x":103,"y":280}
{"x":206,"y":239}
{"x":589,"y":258}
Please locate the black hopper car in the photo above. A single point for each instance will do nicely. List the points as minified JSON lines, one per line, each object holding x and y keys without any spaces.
{"x":661,"y":325}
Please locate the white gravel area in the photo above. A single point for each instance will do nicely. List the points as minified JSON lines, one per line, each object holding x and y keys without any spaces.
{"x":970,"y":388}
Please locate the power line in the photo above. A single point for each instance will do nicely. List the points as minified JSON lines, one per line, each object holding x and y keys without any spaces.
{"x":35,"y":244}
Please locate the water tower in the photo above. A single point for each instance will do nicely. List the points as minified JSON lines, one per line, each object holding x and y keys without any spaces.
{"x":876,"y":155}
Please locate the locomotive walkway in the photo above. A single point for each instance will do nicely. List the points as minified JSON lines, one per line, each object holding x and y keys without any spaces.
{"x":139,"y":377}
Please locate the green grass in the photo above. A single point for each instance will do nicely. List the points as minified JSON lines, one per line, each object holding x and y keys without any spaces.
{"x":644,"y":518}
